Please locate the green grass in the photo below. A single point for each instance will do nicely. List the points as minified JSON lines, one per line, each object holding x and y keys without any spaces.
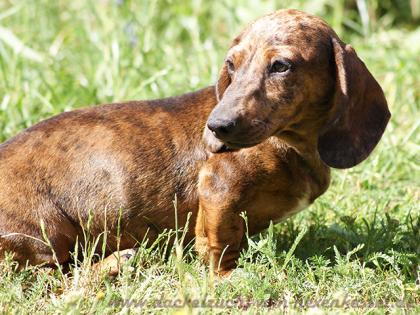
{"x":359,"y":243}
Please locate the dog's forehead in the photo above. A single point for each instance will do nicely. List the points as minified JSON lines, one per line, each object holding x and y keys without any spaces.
{"x":288,"y":27}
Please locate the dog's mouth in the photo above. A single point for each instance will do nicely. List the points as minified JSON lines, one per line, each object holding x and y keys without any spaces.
{"x":239,"y":145}
{"x":224,"y":148}
{"x":234,"y":146}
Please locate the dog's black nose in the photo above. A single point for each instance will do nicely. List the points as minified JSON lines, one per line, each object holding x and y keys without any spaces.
{"x":222,"y":128}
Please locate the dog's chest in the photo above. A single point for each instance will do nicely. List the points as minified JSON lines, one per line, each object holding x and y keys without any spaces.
{"x":277,"y":206}
{"x":301,"y":203}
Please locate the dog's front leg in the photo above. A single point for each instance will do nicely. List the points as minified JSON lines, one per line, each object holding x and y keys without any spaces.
{"x":201,"y":240}
{"x":219,"y":228}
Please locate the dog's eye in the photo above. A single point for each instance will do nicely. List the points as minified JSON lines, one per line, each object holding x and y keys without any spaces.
{"x":279,"y":66}
{"x":230,"y":66}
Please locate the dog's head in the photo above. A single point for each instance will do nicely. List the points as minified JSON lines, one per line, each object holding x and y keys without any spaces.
{"x":289,"y":73}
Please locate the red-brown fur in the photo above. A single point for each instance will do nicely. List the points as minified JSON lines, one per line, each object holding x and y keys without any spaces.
{"x":126,"y":162}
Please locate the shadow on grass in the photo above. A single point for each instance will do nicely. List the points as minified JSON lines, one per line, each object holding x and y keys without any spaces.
{"x":387,"y":242}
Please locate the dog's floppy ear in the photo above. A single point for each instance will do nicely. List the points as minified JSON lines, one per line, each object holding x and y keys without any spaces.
{"x":359,"y":113}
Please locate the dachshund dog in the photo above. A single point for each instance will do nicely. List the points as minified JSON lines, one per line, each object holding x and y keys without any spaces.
{"x":292,"y":100}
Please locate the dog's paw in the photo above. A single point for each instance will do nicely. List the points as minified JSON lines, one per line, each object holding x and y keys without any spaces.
{"x":127,"y":254}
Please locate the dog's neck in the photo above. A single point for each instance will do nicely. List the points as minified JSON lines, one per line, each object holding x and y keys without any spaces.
{"x":305,"y":144}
